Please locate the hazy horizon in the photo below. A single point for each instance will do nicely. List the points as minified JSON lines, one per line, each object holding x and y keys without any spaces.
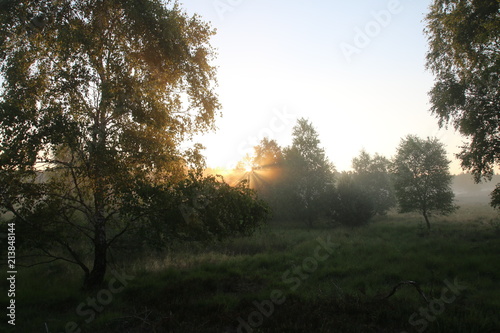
{"x":355,"y":70}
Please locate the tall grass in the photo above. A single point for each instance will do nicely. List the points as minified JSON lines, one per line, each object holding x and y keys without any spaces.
{"x":207,"y":287}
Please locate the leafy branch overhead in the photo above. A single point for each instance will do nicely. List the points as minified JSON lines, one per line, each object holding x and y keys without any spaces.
{"x":464,"y":55}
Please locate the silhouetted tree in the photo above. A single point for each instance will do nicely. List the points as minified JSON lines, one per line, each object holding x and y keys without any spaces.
{"x":352,"y":204}
{"x":97,"y":95}
{"x":373,"y":174}
{"x":309,"y":174}
{"x":267,"y":174}
{"x":422,"y":179}
{"x":267,"y":154}
{"x":464,"y":55}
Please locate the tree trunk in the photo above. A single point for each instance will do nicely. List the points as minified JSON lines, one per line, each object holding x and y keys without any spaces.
{"x":427,"y":220}
{"x":96,"y":276}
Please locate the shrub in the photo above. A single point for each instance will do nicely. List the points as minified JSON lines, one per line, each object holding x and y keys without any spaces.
{"x":352,"y":205}
{"x":201,"y":209}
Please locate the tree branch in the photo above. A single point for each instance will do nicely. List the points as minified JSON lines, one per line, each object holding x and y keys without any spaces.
{"x":75,"y":256}
{"x":117,"y":236}
{"x":403,"y":283}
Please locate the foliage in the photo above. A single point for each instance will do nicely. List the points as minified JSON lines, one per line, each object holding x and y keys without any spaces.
{"x":309,"y":176}
{"x":353,"y":204}
{"x":266,"y":176}
{"x":97,"y":97}
{"x":422,"y":179}
{"x":373,"y":174}
{"x":267,"y":154}
{"x":199,"y":208}
{"x":495,"y":197}
{"x":464,"y":55}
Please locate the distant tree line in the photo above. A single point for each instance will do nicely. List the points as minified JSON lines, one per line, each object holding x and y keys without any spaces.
{"x":300,"y":183}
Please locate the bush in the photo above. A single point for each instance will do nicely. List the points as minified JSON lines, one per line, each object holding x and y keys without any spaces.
{"x":352,"y":206}
{"x":201,"y":209}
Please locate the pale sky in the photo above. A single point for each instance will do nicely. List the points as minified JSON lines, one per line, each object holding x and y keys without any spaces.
{"x":355,"y":69}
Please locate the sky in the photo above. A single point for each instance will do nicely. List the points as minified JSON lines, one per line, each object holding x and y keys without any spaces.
{"x":355,"y":69}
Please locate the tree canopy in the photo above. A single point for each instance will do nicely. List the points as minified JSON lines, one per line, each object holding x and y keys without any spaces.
{"x":464,"y":55}
{"x":267,"y":154}
{"x":352,"y":204}
{"x":422,"y":180}
{"x":373,"y":174}
{"x":97,"y":96}
{"x":309,"y":173}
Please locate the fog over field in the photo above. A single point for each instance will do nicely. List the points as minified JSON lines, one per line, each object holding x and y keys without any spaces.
{"x":467,"y":191}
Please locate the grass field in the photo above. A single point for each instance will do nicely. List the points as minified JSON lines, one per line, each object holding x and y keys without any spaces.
{"x":287,"y":278}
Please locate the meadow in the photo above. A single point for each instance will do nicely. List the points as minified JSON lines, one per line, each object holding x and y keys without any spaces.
{"x":289,"y":278}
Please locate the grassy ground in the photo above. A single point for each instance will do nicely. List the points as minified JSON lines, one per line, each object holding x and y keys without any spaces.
{"x":287,"y":278}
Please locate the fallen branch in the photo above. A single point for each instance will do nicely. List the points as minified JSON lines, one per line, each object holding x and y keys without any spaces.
{"x":403,"y":283}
